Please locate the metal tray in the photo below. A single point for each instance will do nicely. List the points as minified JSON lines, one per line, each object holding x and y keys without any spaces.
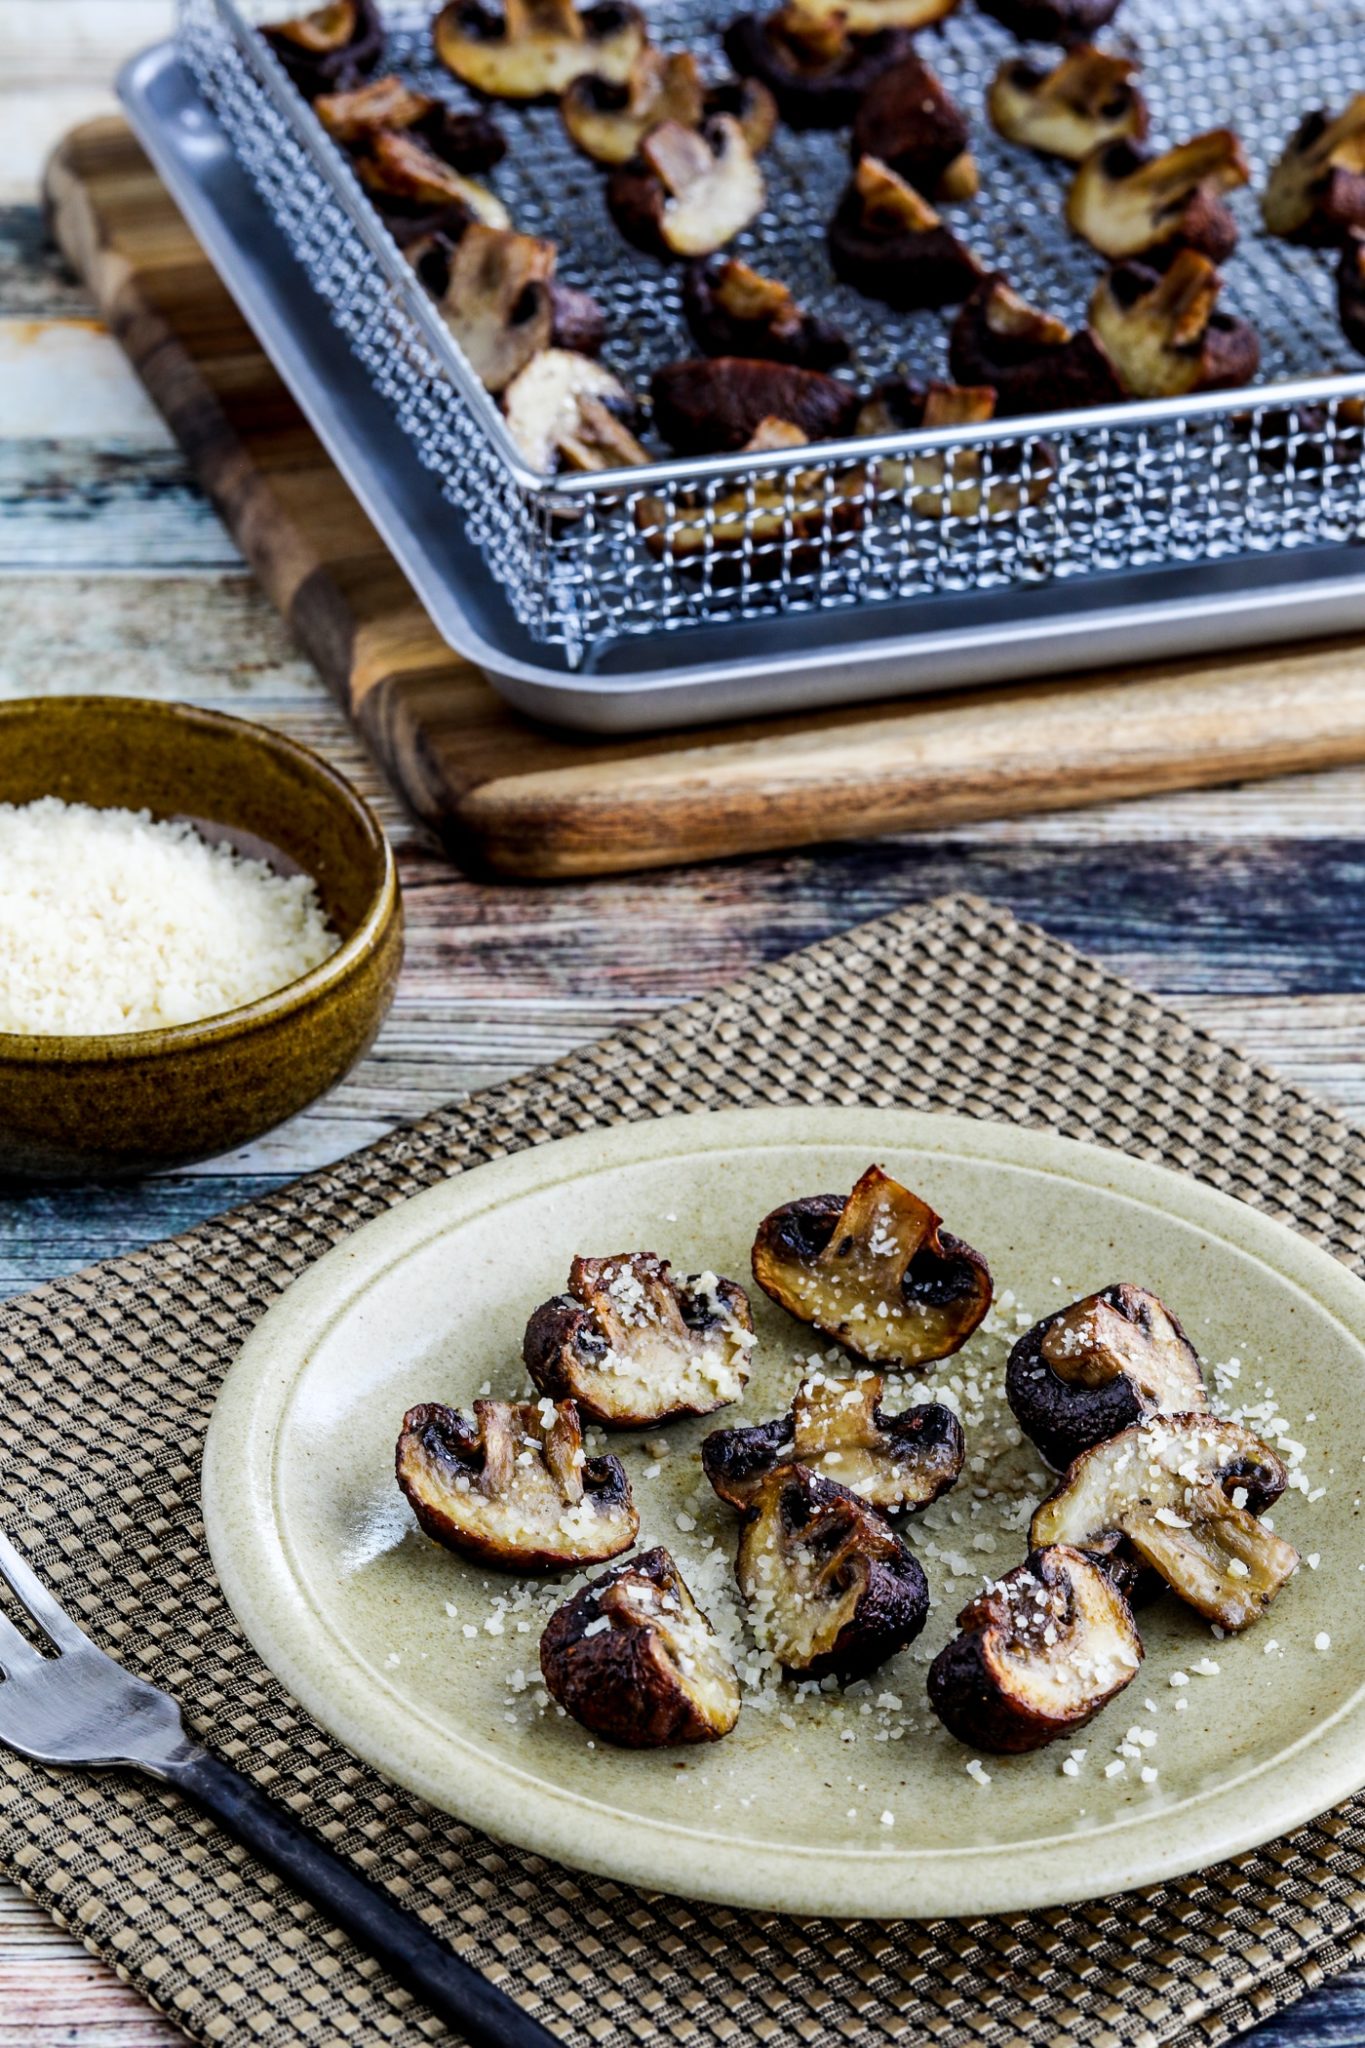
{"x":733,"y":668}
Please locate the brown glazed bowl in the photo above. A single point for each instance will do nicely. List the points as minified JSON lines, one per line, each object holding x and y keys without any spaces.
{"x":100,"y":1108}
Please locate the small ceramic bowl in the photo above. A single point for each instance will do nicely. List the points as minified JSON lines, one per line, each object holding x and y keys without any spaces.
{"x":76,"y":1108}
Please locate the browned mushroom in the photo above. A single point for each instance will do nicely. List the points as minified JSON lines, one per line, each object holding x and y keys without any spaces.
{"x":467,"y":142}
{"x":1127,"y":202}
{"x":609,"y":120}
{"x":633,"y":1658}
{"x":1164,"y":333}
{"x":633,"y":1344}
{"x":838,"y":1428}
{"x":577,"y":322}
{"x":1088,"y":1371}
{"x":689,"y":192}
{"x":531,"y":49}
{"x":710,"y":405}
{"x":830,"y":1588}
{"x":908,"y":122}
{"x":1180,"y":1493}
{"x":566,"y":411}
{"x":1038,"y":1654}
{"x":1030,"y":359}
{"x":497,"y":301}
{"x":1051,"y":21}
{"x":1351,"y":290}
{"x":812,"y":62}
{"x":512,"y":1488}
{"x":783,"y":523}
{"x":1316,"y":191}
{"x":334,"y":45}
{"x":886,"y":239}
{"x":409,"y":182}
{"x":875,"y":1271}
{"x":1087,"y":100}
{"x":733,"y":311}
{"x":580,"y":325}
{"x":960,"y":482}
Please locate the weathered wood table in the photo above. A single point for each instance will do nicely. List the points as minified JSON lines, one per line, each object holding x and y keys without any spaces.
{"x":1246,"y":906}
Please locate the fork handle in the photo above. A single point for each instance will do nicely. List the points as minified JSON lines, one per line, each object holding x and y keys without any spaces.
{"x":448,"y":1986}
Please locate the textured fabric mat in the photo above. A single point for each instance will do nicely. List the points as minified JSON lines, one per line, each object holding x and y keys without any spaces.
{"x":108,"y":1382}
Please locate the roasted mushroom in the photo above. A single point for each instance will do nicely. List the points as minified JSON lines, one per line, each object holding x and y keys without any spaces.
{"x":334,"y":45}
{"x":1351,"y":290}
{"x":910,"y":123}
{"x":1086,"y":101}
{"x":409,"y":182}
{"x":838,"y":1427}
{"x":633,"y":1658}
{"x":1127,"y":202}
{"x":888,"y":241}
{"x":710,"y":405}
{"x":816,"y":68}
{"x":1180,"y":1493}
{"x":1088,"y":1371}
{"x":609,"y":121}
{"x":1039,"y":1653}
{"x":733,"y":311}
{"x":566,"y":411}
{"x":1316,"y":191}
{"x":580,"y":325}
{"x":782,"y":523}
{"x":467,"y":142}
{"x":1030,"y":359}
{"x":497,"y":301}
{"x":512,"y":1488}
{"x":689,"y":192}
{"x":531,"y":49}
{"x":875,"y":1271}
{"x":1164,"y":333}
{"x":633,"y":1344}
{"x":830,"y":1588}
{"x":961,"y":482}
{"x":1051,"y":21}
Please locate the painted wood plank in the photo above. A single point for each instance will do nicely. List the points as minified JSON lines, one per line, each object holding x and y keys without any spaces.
{"x":68,"y":379}
{"x":58,"y":60}
{"x":115,"y":505}
{"x":35,"y":280}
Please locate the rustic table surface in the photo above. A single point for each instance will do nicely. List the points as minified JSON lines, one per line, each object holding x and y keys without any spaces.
{"x":1245,"y":907}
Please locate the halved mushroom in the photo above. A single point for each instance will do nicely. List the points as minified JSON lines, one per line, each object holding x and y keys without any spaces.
{"x":838,"y":1427}
{"x":633,"y":1658}
{"x":497,"y":301}
{"x":765,"y":526}
{"x":1086,"y":101}
{"x":1039,"y":1653}
{"x":733,"y":311}
{"x":690,"y":192}
{"x":1180,"y":1493}
{"x":867,"y":17}
{"x":1317,"y":189}
{"x":467,"y":142}
{"x":633,"y":1344}
{"x":709,"y":405}
{"x":1030,"y":359}
{"x":1051,"y":21}
{"x":1088,"y":1371}
{"x":512,"y":1488}
{"x":960,"y":482}
{"x":580,"y":325}
{"x":812,"y":62}
{"x":407,"y":179}
{"x":333,"y":45}
{"x":566,"y":411}
{"x":875,"y":1271}
{"x":829,"y":1586}
{"x":888,"y":241}
{"x":748,"y":101}
{"x":576,"y":320}
{"x":1164,"y":333}
{"x":908,"y":122}
{"x":1351,"y":290}
{"x":1127,"y":202}
{"x":609,"y":119}
{"x":532,"y":49}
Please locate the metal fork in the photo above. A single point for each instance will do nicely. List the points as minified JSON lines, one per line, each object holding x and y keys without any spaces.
{"x":80,"y":1707}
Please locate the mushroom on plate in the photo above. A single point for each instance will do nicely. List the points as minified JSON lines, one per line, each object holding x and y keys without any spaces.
{"x":734,"y":311}
{"x":812,"y":62}
{"x":887,"y":240}
{"x":333,"y":45}
{"x":1126,"y":201}
{"x":409,"y":182}
{"x":1037,"y":1655}
{"x":1032,"y":361}
{"x":782,"y":523}
{"x":512,"y":1488}
{"x":633,"y":1343}
{"x":467,"y":142}
{"x":1051,"y":21}
{"x":565,"y":411}
{"x":908,"y":121}
{"x":1088,"y":1371}
{"x":710,"y":405}
{"x":1164,"y":332}
{"x":875,"y":1271}
{"x":1082,"y":103}
{"x":532,"y":49}
{"x":1316,"y":191}
{"x":690,"y":191}
{"x":839,"y":1428}
{"x":1179,"y":1494}
{"x":633,"y":1658}
{"x":830,"y":1587}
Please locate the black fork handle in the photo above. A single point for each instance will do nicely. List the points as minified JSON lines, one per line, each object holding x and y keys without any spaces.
{"x":449,"y":1987}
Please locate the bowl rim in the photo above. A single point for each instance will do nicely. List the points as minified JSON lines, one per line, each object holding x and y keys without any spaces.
{"x":38,"y":1048}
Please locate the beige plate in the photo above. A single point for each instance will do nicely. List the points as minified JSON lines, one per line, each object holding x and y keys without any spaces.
{"x":382,"y":1636}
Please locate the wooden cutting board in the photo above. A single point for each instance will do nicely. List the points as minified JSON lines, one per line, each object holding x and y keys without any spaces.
{"x":512,"y":797}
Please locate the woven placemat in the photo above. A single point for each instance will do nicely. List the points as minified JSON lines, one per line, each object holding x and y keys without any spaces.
{"x":108,"y":1382}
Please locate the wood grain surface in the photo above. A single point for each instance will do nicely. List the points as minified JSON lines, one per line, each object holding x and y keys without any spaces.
{"x":1243,"y":905}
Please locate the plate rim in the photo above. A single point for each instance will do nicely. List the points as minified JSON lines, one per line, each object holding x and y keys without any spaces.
{"x":1325,"y":1765}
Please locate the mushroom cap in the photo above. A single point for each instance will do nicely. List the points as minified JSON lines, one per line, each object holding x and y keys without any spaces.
{"x":1051,"y":21}
{"x":1125,"y":200}
{"x":838,"y":1427}
{"x":887,"y":240}
{"x":734,"y":311}
{"x":1033,"y":362}
{"x":1316,"y":192}
{"x":1098,"y":1366}
{"x":1038,"y":1654}
{"x":712,"y":405}
{"x":689,"y":192}
{"x":332,"y":46}
{"x":1083,"y":102}
{"x":632,"y":1657}
{"x":497,"y":301}
{"x":405,"y":176}
{"x":533,"y":49}
{"x":608,"y":119}
{"x":817,"y":71}
{"x":512,"y":1488}
{"x":909,"y":122}
{"x":1164,"y":333}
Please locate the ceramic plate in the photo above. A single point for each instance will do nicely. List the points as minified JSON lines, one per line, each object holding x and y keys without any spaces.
{"x":850,"y":1804}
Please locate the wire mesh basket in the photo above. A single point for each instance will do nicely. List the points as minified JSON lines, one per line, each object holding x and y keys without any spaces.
{"x":585,"y":559}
